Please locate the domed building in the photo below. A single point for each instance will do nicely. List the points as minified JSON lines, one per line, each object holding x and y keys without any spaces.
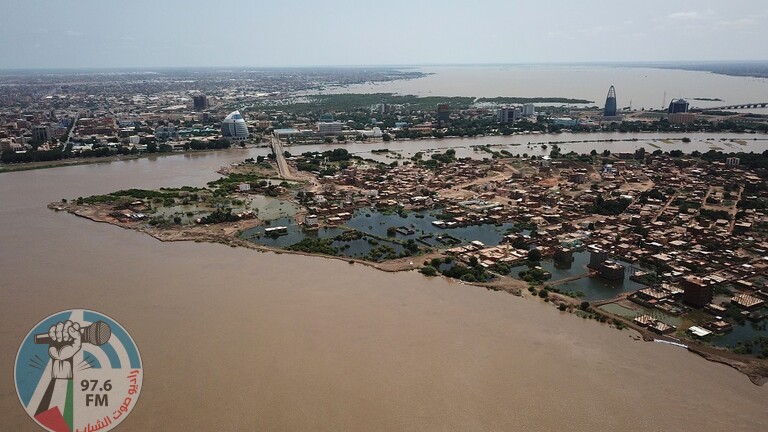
{"x":234,"y":128}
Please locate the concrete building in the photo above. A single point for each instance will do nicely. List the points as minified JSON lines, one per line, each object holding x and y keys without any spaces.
{"x":234,"y":127}
{"x":529,"y":110}
{"x":611,"y":270}
{"x":596,"y":258}
{"x":565,"y":122}
{"x":682,"y":118}
{"x":371,"y":133}
{"x":200,"y":102}
{"x":508,"y":115}
{"x":443,"y":114}
{"x":563,"y":254}
{"x":577,"y":177}
{"x":678,"y":106}
{"x":697,"y":291}
{"x":166,"y":132}
{"x":733,"y":161}
{"x":41,"y":134}
{"x":329,"y":128}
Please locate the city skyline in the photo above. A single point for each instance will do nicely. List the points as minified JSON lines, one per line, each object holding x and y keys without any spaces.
{"x":89,"y":34}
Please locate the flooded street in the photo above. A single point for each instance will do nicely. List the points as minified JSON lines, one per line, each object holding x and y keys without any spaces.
{"x":234,"y":339}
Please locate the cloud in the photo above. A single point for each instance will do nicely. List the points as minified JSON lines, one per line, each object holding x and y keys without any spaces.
{"x":735,"y":24}
{"x":637,"y":35}
{"x":691,"y":15}
{"x":598,"y":29}
{"x":559,"y":35}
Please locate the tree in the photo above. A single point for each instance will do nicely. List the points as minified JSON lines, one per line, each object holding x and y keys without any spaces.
{"x":340,"y":138}
{"x":428,"y":271}
{"x":606,"y":153}
{"x":534,"y":255}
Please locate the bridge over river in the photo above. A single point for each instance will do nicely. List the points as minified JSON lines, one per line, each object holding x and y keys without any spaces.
{"x":737,"y":106}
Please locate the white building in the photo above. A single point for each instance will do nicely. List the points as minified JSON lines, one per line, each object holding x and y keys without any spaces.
{"x":234,"y":127}
{"x":329,"y":128}
{"x":529,"y":109}
{"x":373,"y":133}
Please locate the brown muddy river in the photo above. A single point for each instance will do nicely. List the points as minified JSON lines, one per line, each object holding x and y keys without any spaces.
{"x":234,"y":339}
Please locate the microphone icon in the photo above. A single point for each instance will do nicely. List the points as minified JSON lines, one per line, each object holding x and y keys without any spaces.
{"x":97,"y":334}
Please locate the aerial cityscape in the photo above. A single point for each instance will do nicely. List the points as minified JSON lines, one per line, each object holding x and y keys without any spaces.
{"x":401,"y":245}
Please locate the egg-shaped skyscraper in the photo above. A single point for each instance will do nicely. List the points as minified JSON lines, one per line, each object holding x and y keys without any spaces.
{"x":234,"y":127}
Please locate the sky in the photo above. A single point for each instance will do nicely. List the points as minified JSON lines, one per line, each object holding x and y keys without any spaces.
{"x":257,"y":33}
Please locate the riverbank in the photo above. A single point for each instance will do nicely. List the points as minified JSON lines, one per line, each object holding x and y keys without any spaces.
{"x":27,"y":166}
{"x":227,"y":234}
{"x":354,"y":347}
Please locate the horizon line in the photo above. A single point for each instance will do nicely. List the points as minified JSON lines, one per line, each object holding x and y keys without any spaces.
{"x":384,"y":65}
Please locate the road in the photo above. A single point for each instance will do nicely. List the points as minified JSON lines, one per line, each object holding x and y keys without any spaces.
{"x":72,"y":129}
{"x":282,"y":164}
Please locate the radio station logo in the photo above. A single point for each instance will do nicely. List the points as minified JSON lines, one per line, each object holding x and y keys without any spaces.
{"x":78,"y":371}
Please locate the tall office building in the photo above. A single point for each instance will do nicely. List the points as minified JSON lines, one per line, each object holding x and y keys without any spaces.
{"x":529,"y":110}
{"x":610,"y":103}
{"x":443,"y":114}
{"x":330,"y":128}
{"x":678,"y":106}
{"x":234,"y":128}
{"x":41,"y":134}
{"x":201,"y":102}
{"x":507,"y":115}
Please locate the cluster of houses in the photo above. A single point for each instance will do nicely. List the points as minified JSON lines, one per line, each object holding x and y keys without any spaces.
{"x":680,"y":217}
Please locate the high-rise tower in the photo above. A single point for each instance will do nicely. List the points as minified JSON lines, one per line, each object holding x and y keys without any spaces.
{"x":678,"y":106}
{"x":443,"y":114}
{"x":200,"y":102}
{"x":610,"y":103}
